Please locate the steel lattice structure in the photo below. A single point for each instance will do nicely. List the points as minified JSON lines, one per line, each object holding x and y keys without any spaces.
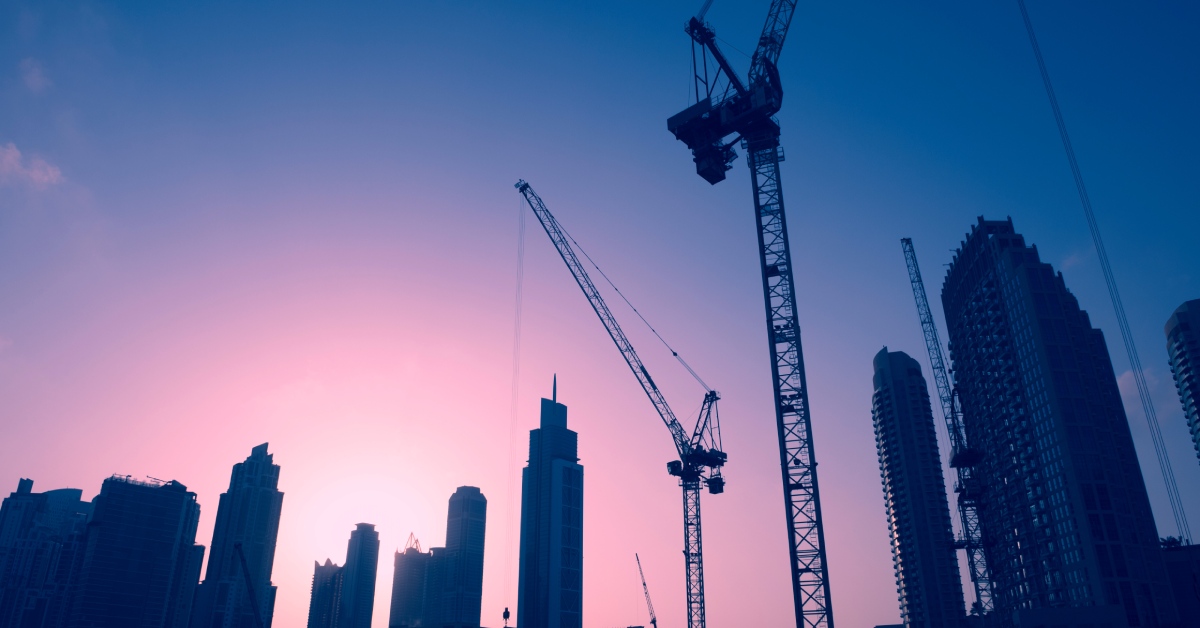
{"x":730,"y":107}
{"x":700,"y":457}
{"x":962,"y":457}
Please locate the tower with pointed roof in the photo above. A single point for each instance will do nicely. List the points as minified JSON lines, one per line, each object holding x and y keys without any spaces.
{"x":550,"y":583}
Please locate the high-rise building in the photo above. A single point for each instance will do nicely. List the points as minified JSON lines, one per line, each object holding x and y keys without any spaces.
{"x":325,"y":601}
{"x":408,"y":586}
{"x":462,"y":583}
{"x":358,"y":578}
{"x":248,"y":515}
{"x":1066,"y":523}
{"x":550,"y":583}
{"x":1183,"y":348}
{"x":41,"y":543}
{"x":140,"y":563}
{"x":914,"y":494}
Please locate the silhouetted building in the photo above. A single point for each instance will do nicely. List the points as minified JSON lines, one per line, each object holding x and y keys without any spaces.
{"x":248,"y":514}
{"x":914,"y":494}
{"x":408,"y":586}
{"x":140,"y":563}
{"x":41,"y":543}
{"x":1183,"y":568}
{"x":462,"y":585}
{"x":1183,"y":349}
{"x":550,"y":584}
{"x":358,"y":579}
{"x":1066,"y":523}
{"x":325,"y":601}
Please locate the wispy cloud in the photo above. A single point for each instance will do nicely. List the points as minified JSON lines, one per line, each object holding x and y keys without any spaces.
{"x":34,"y":171}
{"x":34,"y":75}
{"x":1072,"y":261}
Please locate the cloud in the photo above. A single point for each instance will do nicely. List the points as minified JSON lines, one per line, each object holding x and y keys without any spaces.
{"x":34,"y":75}
{"x":35,"y":171}
{"x":1072,"y":261}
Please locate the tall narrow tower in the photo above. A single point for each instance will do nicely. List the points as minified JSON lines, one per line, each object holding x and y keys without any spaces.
{"x":358,"y":578}
{"x":462,"y":583}
{"x":550,"y":585}
{"x":1067,"y":526}
{"x":1183,"y":348}
{"x":914,"y":495}
{"x":248,"y":514}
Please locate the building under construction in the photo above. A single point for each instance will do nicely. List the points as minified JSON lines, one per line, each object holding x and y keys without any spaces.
{"x":1066,"y":523}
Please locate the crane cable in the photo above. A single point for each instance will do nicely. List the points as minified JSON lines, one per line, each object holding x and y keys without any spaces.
{"x":1135,"y":364}
{"x":512,"y":416}
{"x":635,"y":310}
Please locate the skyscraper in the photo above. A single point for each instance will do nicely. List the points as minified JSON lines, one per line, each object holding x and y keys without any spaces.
{"x":358,"y":578}
{"x":140,"y":563}
{"x":325,"y":600}
{"x":409,"y":586}
{"x":462,"y":580}
{"x":41,"y":550}
{"x":248,"y":515}
{"x":914,"y":494}
{"x":1066,"y":522}
{"x":550,"y":583}
{"x":1183,"y":348}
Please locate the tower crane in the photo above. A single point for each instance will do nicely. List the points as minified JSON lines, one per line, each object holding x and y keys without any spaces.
{"x":962,"y":456}
{"x":646,"y":590}
{"x":700,"y":455}
{"x":726,"y":106}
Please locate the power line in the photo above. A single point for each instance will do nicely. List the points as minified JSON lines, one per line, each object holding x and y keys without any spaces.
{"x":1135,"y":363}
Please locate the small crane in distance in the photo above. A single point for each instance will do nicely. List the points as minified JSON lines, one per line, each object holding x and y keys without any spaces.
{"x":700,"y":456}
{"x":646,"y":590}
{"x":249,"y":585}
{"x":725,"y":106}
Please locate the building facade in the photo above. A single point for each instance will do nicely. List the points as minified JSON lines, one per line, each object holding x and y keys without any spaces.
{"x":325,"y":601}
{"x":550,"y":582}
{"x":1183,"y":351}
{"x":248,"y":515}
{"x":928,"y":583}
{"x":358,"y":578}
{"x":1066,"y":522}
{"x":462,"y":583}
{"x":409,"y":586}
{"x":41,"y":551}
{"x":140,"y":564}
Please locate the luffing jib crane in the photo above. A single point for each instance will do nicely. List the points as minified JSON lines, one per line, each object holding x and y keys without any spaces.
{"x":726,"y":106}
{"x":646,"y":590}
{"x":700,"y":456}
{"x":962,"y":456}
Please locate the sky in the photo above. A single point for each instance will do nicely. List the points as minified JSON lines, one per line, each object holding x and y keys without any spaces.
{"x":225,"y":224}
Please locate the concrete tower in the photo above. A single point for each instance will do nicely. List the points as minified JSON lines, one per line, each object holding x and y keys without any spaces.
{"x":462,"y":580}
{"x":247,"y":514}
{"x":550,"y":585}
{"x":914,"y":494}
{"x":358,"y":578}
{"x":1183,"y":348}
{"x":1067,"y":527}
{"x":140,"y":563}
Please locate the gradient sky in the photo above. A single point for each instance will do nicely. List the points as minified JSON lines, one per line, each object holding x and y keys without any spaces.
{"x":227,"y":224}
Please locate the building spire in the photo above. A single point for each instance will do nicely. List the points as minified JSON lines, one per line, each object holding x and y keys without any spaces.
{"x":554,"y":390}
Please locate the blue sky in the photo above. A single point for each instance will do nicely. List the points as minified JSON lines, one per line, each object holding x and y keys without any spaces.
{"x":229,"y":220}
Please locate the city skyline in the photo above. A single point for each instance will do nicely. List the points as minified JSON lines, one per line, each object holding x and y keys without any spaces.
{"x":217,"y":232}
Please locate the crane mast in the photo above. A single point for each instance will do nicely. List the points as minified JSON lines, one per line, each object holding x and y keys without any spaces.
{"x":746,"y":110}
{"x":700,"y":456}
{"x":962,"y":457}
{"x":646,"y":590}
